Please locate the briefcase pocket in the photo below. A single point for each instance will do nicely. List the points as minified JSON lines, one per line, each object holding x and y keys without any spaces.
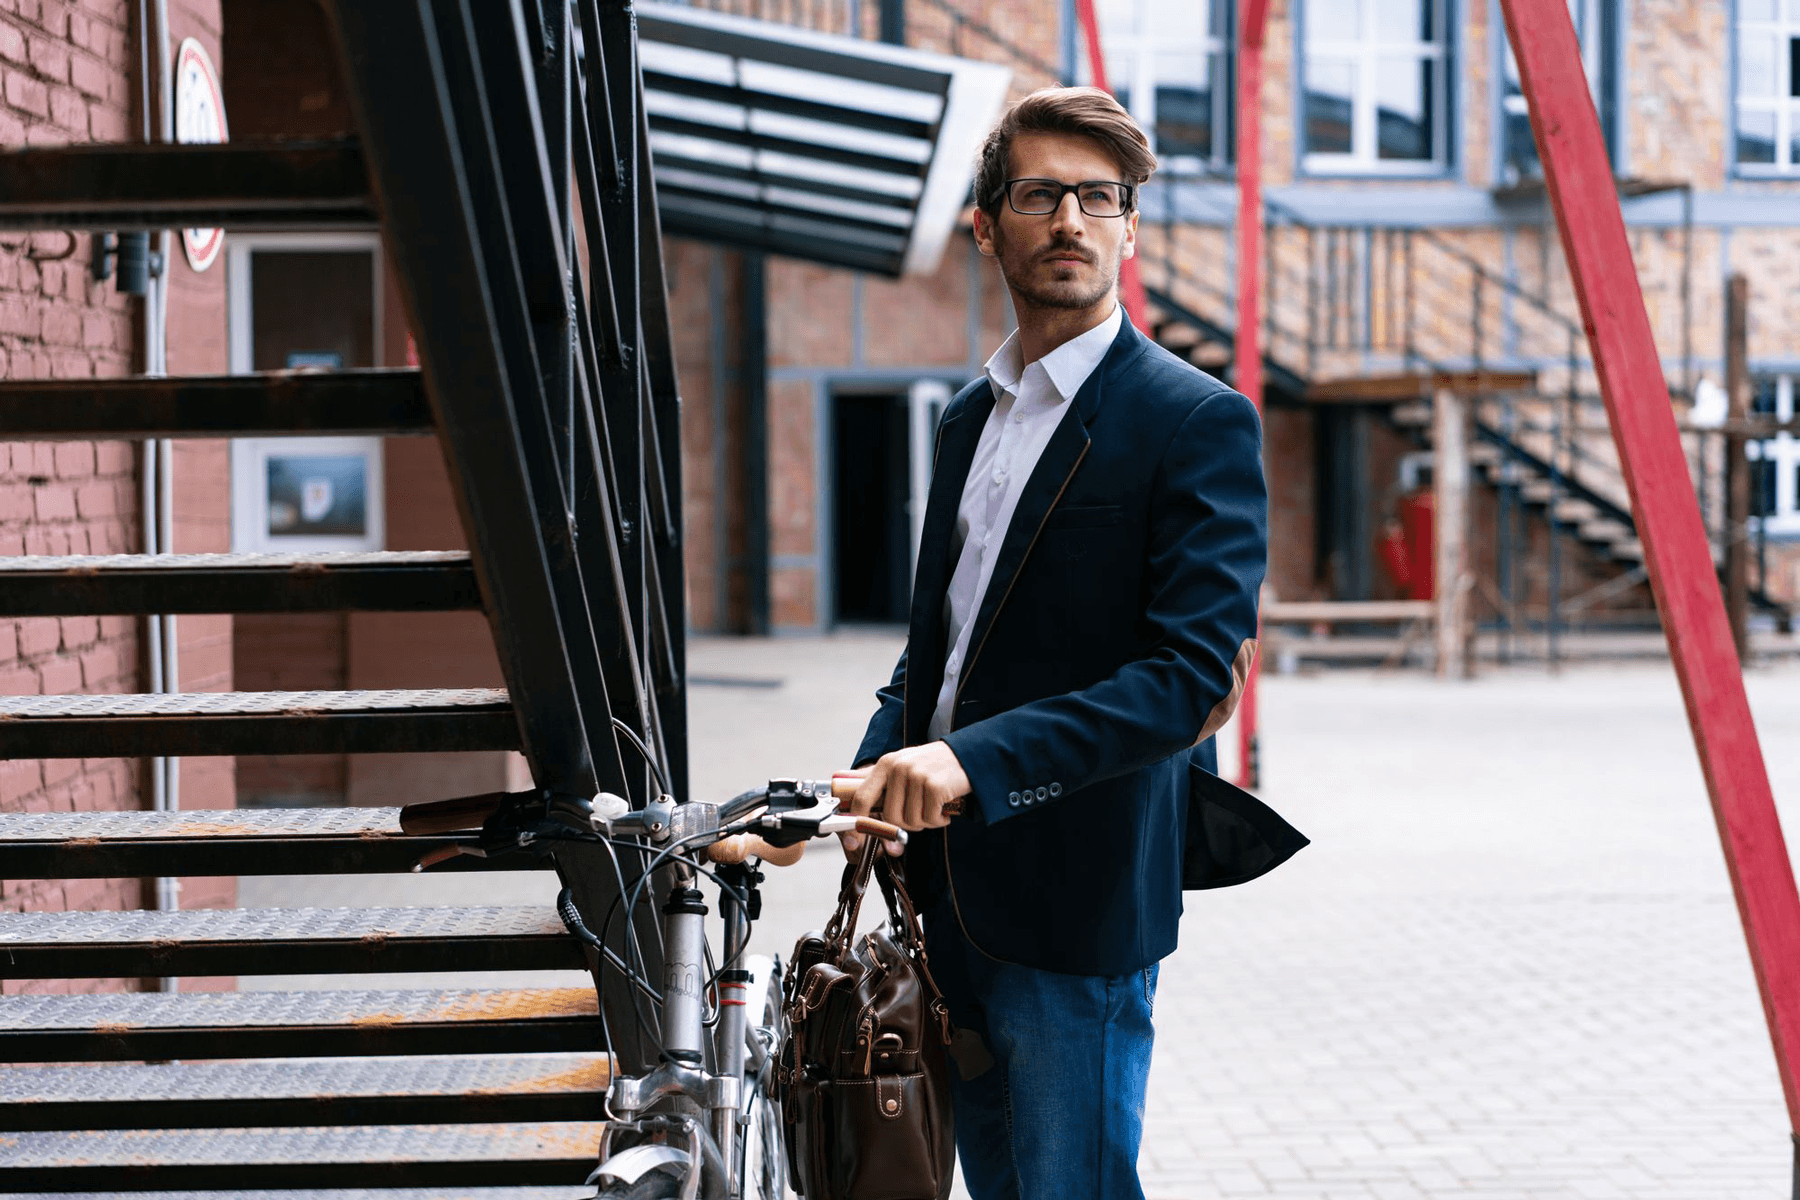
{"x":882,"y":1141}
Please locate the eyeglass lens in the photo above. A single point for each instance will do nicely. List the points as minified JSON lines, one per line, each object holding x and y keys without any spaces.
{"x":1097,"y":197}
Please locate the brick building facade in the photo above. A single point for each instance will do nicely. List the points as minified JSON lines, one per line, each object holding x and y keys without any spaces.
{"x":1407,"y":229}
{"x":69,"y":72}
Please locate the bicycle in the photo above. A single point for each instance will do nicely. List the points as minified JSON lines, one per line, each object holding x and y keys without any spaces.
{"x":683,"y":1129}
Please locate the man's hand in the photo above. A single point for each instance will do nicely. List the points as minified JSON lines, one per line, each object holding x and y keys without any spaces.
{"x":912,"y":788}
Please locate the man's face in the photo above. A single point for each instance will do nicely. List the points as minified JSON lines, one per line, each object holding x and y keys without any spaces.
{"x":1063,"y":259}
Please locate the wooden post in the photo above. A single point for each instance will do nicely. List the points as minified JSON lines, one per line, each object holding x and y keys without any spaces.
{"x":1450,"y":496}
{"x":1737,"y":466}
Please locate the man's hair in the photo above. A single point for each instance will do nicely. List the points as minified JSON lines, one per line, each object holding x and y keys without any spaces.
{"x":1083,"y":111}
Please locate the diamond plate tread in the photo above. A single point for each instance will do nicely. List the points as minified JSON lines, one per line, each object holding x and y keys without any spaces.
{"x":287,"y":841}
{"x":273,"y":941}
{"x":446,"y":1192}
{"x":409,"y":1155}
{"x":219,"y":723}
{"x":83,"y":564}
{"x":383,"y":581}
{"x":231,"y":704}
{"x":349,"y":1091}
{"x":128,"y":1026}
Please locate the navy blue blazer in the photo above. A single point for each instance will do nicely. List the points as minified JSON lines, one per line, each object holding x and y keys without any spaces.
{"x":1112,"y":641}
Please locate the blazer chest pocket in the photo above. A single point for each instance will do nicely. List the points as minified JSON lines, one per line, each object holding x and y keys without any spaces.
{"x":1084,"y":516}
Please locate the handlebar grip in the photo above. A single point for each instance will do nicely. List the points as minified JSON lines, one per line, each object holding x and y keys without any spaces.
{"x":844,"y":786}
{"x":449,"y":816}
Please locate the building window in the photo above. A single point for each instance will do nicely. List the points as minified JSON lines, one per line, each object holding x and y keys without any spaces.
{"x":1169,"y":63}
{"x":1376,"y":74}
{"x":1775,"y":462}
{"x":1768,"y":86}
{"x":1596,"y":24}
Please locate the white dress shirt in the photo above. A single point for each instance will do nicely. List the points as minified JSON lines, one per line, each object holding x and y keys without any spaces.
{"x":1028,"y":406}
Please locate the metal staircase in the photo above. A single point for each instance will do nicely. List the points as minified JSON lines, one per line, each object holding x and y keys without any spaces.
{"x":504,"y":151}
{"x":1395,"y":308}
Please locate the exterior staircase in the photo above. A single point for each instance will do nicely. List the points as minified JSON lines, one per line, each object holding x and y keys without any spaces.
{"x":552,"y":394}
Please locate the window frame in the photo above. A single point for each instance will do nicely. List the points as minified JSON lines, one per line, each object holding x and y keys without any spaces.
{"x":1365,"y":116}
{"x":1786,"y":107}
{"x":1783,"y":450}
{"x":1140,"y":49}
{"x":249,"y":456}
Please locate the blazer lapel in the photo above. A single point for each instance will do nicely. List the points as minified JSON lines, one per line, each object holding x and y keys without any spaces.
{"x":958,"y":436}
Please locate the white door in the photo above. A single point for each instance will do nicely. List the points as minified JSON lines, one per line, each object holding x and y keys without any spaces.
{"x":925,"y":403}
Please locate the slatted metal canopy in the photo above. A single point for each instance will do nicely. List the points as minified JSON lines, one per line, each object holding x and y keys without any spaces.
{"x":846,"y":152}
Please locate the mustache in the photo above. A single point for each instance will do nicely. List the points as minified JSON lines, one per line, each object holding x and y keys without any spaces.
{"x":1067,"y":250}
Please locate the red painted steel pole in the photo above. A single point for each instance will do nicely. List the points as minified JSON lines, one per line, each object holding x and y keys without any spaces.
{"x":1252,"y":19}
{"x":1579,"y":176}
{"x":1131,"y":283}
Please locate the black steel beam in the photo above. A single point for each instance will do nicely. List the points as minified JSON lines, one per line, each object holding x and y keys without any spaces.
{"x":237,"y":185}
{"x":755,"y":204}
{"x":393,"y":65}
{"x":207,"y":1095}
{"x":745,"y":235}
{"x":196,"y":724}
{"x":236,"y":583}
{"x":309,"y":941}
{"x":141,"y":1026}
{"x":308,"y":403}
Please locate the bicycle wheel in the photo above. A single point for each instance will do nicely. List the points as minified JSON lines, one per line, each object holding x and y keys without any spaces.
{"x":762,"y":1161}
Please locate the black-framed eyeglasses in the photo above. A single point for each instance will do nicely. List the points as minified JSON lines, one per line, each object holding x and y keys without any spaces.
{"x":1039,"y":197}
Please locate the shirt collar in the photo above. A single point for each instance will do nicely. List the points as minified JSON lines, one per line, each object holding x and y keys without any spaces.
{"x":1068,"y":366}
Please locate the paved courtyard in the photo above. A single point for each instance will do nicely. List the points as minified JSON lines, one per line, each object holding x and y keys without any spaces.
{"x":1509,"y":966}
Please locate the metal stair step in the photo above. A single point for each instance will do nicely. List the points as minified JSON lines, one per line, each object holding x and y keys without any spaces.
{"x":91,"y":584}
{"x":134,"y":1026}
{"x":351,"y":1091}
{"x":358,"y":1156}
{"x":437,"y":1193}
{"x":270,"y":404}
{"x":202,"y":723}
{"x":236,"y":185}
{"x":275,"y":841}
{"x":275,"y":941}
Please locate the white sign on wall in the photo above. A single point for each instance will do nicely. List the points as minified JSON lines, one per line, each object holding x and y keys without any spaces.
{"x":199,"y":118}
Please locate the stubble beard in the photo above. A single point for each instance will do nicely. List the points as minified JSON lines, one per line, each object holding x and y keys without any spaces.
{"x":1020,"y":273}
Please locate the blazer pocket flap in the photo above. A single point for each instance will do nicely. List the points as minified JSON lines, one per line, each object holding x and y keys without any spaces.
{"x":1232,"y":837}
{"x":1084,"y":516}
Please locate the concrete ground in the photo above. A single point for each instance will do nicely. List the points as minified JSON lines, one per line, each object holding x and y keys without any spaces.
{"x":1509,"y":965}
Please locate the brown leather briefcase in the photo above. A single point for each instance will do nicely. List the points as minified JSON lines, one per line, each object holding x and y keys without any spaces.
{"x":865,"y":1087}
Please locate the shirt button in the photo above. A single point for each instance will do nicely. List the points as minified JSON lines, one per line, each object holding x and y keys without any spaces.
{"x":1018,"y":418}
{"x":999,"y":474}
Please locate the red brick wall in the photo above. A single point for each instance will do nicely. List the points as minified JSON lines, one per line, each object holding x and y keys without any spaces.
{"x":67,"y":75}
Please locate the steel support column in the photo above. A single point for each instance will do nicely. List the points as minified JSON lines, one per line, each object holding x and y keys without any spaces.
{"x":1676,"y":551}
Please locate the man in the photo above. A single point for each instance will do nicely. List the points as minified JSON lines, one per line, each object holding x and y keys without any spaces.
{"x":1083,"y":619}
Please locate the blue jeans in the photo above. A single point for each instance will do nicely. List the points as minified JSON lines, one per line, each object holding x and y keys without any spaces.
{"x":1060,"y":1112}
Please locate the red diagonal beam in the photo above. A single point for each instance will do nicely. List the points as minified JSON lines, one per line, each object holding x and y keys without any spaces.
{"x":1581,"y":186}
{"x":1131,"y":284}
{"x":1252,"y":20}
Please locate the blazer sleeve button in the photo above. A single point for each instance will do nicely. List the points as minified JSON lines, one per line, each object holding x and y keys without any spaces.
{"x":1012,"y":798}
{"x":1043,"y":793}
{"x":1056,"y":789}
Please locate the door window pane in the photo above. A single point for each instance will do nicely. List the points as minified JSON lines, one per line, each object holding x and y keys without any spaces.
{"x":1758,"y":10}
{"x":312,"y":309}
{"x":1330,"y":88}
{"x":1403,"y":91}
